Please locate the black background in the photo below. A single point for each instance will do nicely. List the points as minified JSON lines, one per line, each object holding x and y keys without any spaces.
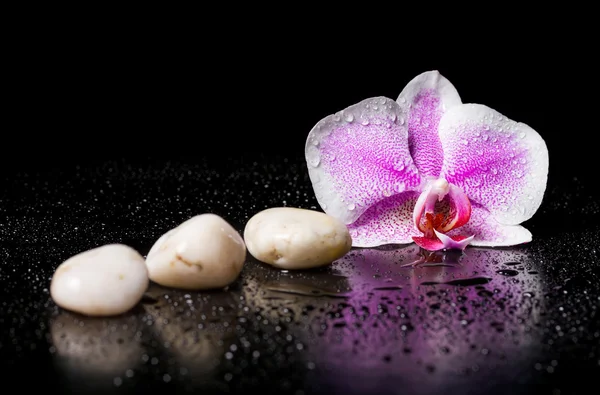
{"x":92,"y":92}
{"x":81,"y":93}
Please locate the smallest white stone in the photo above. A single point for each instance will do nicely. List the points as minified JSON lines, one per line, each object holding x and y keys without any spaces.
{"x":293,"y":238}
{"x":104,"y":281}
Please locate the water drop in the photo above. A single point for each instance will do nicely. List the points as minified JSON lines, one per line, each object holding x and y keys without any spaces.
{"x":336,"y":117}
{"x":364,"y":122}
{"x":312,"y":156}
{"x":393,"y":117}
{"x":402,"y":100}
{"x":349,"y":117}
{"x":387,"y":193}
{"x":375,"y":107}
{"x":507,"y":272}
{"x":351,"y":206}
{"x":522,"y":135}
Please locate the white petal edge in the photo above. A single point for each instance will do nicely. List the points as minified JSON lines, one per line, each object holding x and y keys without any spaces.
{"x":430,"y":80}
{"x":518,"y":206}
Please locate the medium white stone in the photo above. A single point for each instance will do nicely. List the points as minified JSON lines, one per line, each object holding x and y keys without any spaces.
{"x":204,"y":252}
{"x":104,"y":281}
{"x":293,"y":238}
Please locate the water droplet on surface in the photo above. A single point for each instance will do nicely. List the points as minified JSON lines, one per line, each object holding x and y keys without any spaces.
{"x":401,"y":121}
{"x":402,"y":100}
{"x":387,"y":193}
{"x":507,"y":272}
{"x":364,"y":122}
{"x":464,"y":282}
{"x":522,"y":135}
{"x":349,"y":117}
{"x":351,"y":206}
{"x":336,"y":117}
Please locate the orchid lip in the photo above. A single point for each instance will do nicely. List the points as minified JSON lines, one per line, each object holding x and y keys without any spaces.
{"x":434,"y":223}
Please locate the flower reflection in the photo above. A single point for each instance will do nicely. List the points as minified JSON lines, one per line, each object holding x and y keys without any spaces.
{"x":446,"y":315}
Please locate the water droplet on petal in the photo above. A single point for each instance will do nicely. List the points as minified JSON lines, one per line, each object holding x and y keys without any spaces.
{"x":401,"y":121}
{"x":364,"y":122}
{"x":336,"y":117}
{"x":402,"y":100}
{"x":349,"y":117}
{"x":387,"y":193}
{"x":312,"y":156}
{"x":351,"y":206}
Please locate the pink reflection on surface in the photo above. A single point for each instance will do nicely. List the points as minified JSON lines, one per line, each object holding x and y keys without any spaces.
{"x":430,"y":322}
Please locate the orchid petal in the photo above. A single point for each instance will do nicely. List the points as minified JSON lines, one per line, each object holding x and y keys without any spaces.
{"x":499,"y":163}
{"x":428,"y":96}
{"x":387,"y":222}
{"x":490,"y":233}
{"x":360,"y":156}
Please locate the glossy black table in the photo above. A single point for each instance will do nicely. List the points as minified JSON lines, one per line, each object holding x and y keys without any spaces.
{"x":489,"y":321}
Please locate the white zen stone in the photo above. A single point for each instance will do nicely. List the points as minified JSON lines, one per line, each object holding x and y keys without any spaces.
{"x":204,"y":252}
{"x":104,"y":281}
{"x":293,"y":238}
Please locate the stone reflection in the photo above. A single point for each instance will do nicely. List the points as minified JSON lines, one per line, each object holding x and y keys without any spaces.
{"x":294,"y":296}
{"x":195,"y":329}
{"x":102,"y":348}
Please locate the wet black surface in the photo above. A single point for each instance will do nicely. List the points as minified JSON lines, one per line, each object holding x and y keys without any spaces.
{"x":491,"y":321}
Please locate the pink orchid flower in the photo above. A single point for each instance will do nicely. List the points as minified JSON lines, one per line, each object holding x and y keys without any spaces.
{"x":428,"y":169}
